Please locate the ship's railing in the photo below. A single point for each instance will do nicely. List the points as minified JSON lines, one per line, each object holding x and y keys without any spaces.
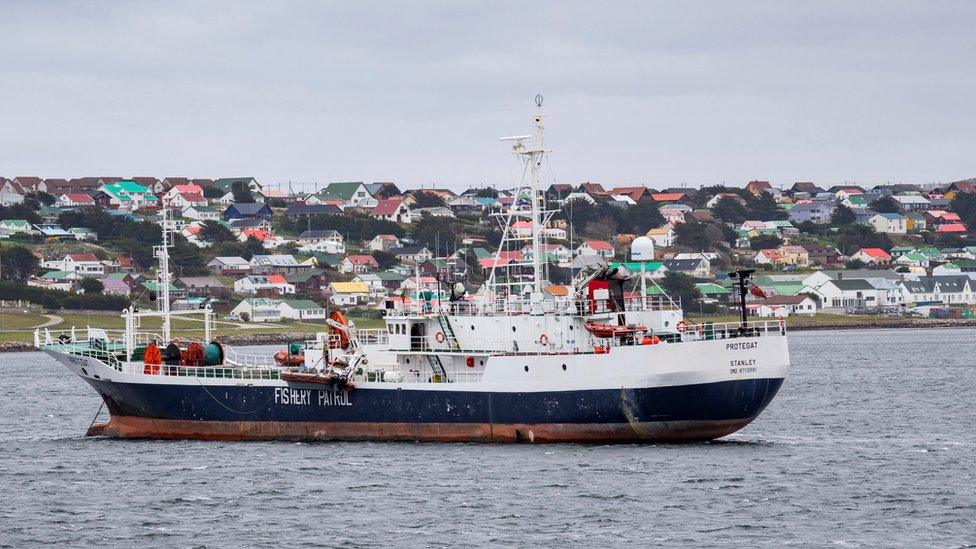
{"x":579,"y":340}
{"x":524,"y":306}
{"x":227,"y":371}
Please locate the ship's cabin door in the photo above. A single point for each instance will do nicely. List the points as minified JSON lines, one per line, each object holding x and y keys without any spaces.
{"x":418,"y":339}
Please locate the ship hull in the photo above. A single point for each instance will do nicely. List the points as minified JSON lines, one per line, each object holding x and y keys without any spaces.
{"x":296,"y":412}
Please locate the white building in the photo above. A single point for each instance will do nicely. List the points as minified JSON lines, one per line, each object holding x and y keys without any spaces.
{"x":258,"y":309}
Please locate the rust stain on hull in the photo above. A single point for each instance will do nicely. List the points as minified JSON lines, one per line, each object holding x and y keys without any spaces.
{"x":631,"y":432}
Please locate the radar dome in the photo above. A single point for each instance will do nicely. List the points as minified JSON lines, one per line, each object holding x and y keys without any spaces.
{"x":642,"y":249}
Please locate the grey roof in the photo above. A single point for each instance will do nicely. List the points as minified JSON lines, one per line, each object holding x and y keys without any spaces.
{"x":853,"y":284}
{"x":682,"y":264}
{"x":313,"y":209}
{"x":320,"y":233}
{"x":248,"y":208}
{"x":847,"y":274}
{"x":944,"y":284}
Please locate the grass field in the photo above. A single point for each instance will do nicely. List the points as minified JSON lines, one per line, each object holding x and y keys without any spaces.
{"x":822,"y":319}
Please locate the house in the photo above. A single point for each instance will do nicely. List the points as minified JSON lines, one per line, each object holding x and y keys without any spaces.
{"x":301,"y":309}
{"x":182,"y":200}
{"x":229,"y":265}
{"x":270,"y":195}
{"x":10,"y":227}
{"x":322,"y":240}
{"x":128,"y":195}
{"x":669,"y":198}
{"x":373,"y":282}
{"x":824,"y":256}
{"x":412,"y":255}
{"x":915,"y":222}
{"x":434,"y":211}
{"x":83,"y":265}
{"x":817,"y":212}
{"x":226,"y":184}
{"x":383,"y":243}
{"x":891,"y":223}
{"x":599,"y":248}
{"x":697,"y":267}
{"x":308,"y":282}
{"x":184,"y":186}
{"x":296,"y":211}
{"x":783,"y":306}
{"x":951,"y":228}
{"x":358,"y":264}
{"x":944,"y":289}
{"x":203,"y":285}
{"x":74,"y":200}
{"x":939,"y":217}
{"x":759,"y":187}
{"x":274,"y":284}
{"x":278,"y":264}
{"x":353,"y":194}
{"x":258,"y":310}
{"x":247,"y":210}
{"x":844,"y":293}
{"x":805,"y":187}
{"x":201,"y":213}
{"x":874,"y":257}
{"x":912,"y":202}
{"x":346,"y":294}
{"x":768,"y":256}
{"x":393,"y":209}
{"x":116,"y":286}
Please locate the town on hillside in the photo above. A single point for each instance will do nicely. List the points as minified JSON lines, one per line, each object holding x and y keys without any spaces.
{"x":256,"y":253}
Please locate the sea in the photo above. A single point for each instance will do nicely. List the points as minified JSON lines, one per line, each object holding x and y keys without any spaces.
{"x":870,"y":443}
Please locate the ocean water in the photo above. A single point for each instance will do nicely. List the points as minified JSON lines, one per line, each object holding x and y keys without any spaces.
{"x":871,"y":442}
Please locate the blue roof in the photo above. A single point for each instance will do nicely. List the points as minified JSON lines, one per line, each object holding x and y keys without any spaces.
{"x":890,"y":215}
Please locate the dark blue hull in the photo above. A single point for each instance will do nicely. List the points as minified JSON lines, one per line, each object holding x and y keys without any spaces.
{"x":686,"y":412}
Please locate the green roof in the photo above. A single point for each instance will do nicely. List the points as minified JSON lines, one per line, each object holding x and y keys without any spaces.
{"x":55,"y":275}
{"x":303,"y":304}
{"x":388,"y":276}
{"x":786,"y":288}
{"x":635,"y":266}
{"x":326,"y":259}
{"x":15,"y":222}
{"x":341,"y":191}
{"x":303,"y":276}
{"x":153,"y":286}
{"x":710,"y":288}
{"x":116,"y":276}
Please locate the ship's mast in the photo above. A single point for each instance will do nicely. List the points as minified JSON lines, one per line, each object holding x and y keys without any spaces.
{"x":533,"y":155}
{"x":161,"y":252}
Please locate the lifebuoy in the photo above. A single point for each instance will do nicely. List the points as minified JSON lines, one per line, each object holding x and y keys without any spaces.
{"x":682,"y":326}
{"x":544,"y":340}
{"x":440,"y":337}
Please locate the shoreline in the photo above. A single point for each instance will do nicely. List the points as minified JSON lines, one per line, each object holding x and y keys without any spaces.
{"x":288,"y":337}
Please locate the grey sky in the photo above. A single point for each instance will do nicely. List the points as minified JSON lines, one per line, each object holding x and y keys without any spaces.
{"x":418,"y":93}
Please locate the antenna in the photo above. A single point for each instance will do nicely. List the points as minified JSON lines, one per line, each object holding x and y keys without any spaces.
{"x":538,"y":100}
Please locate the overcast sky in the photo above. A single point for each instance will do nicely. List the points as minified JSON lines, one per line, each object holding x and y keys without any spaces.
{"x":661,"y":94}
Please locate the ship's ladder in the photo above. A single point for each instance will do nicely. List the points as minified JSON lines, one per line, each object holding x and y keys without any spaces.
{"x":438,"y":367}
{"x":448,"y":331}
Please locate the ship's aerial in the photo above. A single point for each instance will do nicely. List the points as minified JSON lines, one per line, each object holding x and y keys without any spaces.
{"x":520,"y":359}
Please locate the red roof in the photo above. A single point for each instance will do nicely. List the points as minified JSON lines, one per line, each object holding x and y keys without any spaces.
{"x":188,"y":188}
{"x":277,"y":279}
{"x":599,"y":244}
{"x":492,"y":262}
{"x":193,"y":197}
{"x":951,"y":228}
{"x":80,"y":197}
{"x":258,"y":234}
{"x":507,"y":255}
{"x":875,"y":252}
{"x":83,"y":257}
{"x":388,"y":206}
{"x":362,"y":260}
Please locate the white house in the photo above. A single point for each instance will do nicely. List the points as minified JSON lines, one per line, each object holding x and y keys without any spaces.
{"x":945,"y":289}
{"x":74,"y":200}
{"x":252,"y":284}
{"x":891,"y":223}
{"x":599,"y":248}
{"x":85,"y":264}
{"x":662,"y":236}
{"x":783,"y":306}
{"x":258,"y":309}
{"x":383,"y":243}
{"x":322,"y":240}
{"x":348,"y":294}
{"x":301,"y":309}
{"x":393,"y":209}
{"x":201,"y":213}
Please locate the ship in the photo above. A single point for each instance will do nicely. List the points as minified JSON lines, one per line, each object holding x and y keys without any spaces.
{"x":607,"y":357}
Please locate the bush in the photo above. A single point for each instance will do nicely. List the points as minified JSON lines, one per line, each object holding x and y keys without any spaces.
{"x":56,"y":299}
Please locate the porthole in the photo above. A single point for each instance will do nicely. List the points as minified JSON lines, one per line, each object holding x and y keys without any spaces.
{"x":472,"y":327}
{"x":564,"y":367}
{"x":526,"y":368}
{"x":513,"y":328}
{"x":570,"y":326}
{"x":481,"y":362}
{"x":408,"y":361}
{"x":667,"y":323}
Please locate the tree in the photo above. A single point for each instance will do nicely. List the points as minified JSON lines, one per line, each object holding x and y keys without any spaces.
{"x":764,"y":208}
{"x":92,"y":286}
{"x":842,"y":215}
{"x":698,"y":235}
{"x":852,"y":238}
{"x":213,"y":192}
{"x":679,"y":285}
{"x":765,"y":241}
{"x":17,"y":263}
{"x":964,"y":204}
{"x":435,"y":231}
{"x":730,"y":210}
{"x":215,"y":233}
{"x":242,"y":193}
{"x":886,"y":204}
{"x":487,"y":192}
{"x":384,"y":259}
{"x":422,"y":199}
{"x":641,"y":217}
{"x":44,"y":198}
